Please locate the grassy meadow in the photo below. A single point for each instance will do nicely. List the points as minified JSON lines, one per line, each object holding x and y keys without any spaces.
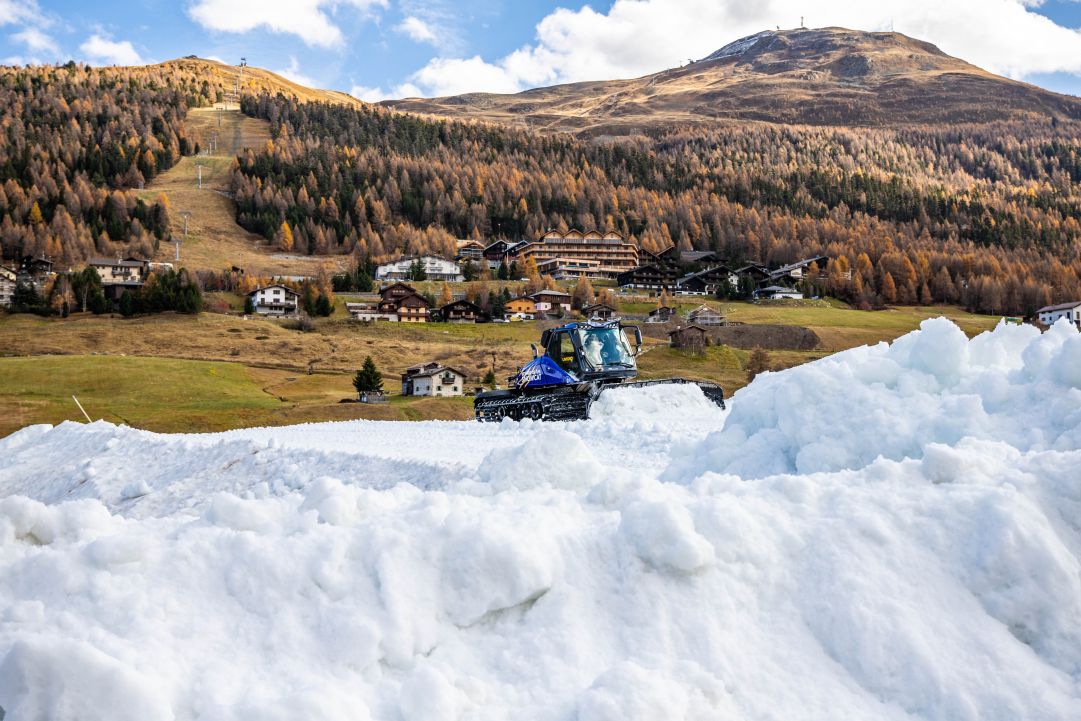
{"x":212,"y":371}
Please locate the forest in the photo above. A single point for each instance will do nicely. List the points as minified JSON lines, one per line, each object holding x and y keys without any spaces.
{"x":984,"y":215}
{"x":74,"y":144}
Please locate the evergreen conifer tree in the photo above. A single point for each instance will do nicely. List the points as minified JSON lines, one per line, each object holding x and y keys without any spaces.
{"x":368,"y":378}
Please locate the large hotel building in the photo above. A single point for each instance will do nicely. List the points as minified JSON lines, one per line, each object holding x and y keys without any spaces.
{"x":604,"y":254}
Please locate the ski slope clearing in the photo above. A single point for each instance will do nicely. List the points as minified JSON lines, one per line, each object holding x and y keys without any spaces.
{"x":889,"y":533}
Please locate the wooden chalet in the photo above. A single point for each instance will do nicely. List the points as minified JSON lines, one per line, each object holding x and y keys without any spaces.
{"x":554,"y":302}
{"x":462,"y":311}
{"x":403,"y":301}
{"x":704,"y":282}
{"x":795,"y":272}
{"x":413,"y":309}
{"x":704,"y":315}
{"x":668,"y":256}
{"x":661,"y":314}
{"x":521,"y":307}
{"x":653,"y":276}
{"x":600,"y":311}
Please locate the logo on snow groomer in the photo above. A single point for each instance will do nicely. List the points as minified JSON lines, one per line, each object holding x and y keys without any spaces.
{"x":543,"y":372}
{"x":530,"y":374}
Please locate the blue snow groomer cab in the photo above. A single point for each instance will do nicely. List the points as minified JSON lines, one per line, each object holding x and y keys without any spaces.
{"x":575,"y":364}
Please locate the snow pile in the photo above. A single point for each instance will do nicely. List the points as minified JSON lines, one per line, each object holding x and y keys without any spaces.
{"x":935,"y":386}
{"x":546,"y":571}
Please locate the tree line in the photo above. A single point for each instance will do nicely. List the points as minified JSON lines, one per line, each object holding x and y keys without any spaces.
{"x":984,"y":215}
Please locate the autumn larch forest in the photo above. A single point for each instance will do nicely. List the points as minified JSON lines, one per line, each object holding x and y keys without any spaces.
{"x":983,"y":215}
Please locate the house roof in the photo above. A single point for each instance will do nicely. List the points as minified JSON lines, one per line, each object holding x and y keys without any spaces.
{"x":749,"y":268}
{"x":409,"y":300}
{"x":1060,"y":306}
{"x":704,"y":309}
{"x":117,"y":262}
{"x":660,"y":308}
{"x":411,"y":258}
{"x":540,"y":293}
{"x":463,"y":301}
{"x":776,"y":289}
{"x":692,"y":326}
{"x":798,"y":264}
{"x":422,"y":366}
{"x":286,"y":288}
{"x":387,"y":288}
{"x":704,"y":273}
{"x":696,"y":256}
{"x":596,"y":306}
{"x":436,"y":371}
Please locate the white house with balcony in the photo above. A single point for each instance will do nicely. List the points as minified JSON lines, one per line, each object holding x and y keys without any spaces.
{"x":1051,"y":314}
{"x":275,"y":300}
{"x":432,"y":379}
{"x":435,"y":268}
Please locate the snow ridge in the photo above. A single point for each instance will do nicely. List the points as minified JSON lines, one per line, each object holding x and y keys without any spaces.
{"x":888,"y":533}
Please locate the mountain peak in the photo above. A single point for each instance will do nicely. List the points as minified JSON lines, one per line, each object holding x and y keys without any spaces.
{"x":819,"y":76}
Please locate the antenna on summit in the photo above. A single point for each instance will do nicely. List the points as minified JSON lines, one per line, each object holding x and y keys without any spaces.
{"x":801,"y":22}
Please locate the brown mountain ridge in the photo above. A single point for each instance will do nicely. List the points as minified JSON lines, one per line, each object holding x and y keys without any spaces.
{"x":827,"y":76}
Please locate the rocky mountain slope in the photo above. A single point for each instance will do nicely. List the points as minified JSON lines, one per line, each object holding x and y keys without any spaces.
{"x":828,"y":76}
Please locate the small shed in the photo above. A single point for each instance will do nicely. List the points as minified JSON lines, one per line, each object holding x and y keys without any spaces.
{"x":691,"y":337}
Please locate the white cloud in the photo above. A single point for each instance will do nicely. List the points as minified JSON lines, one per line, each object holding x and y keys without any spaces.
{"x":310,"y":20}
{"x":637,"y":37}
{"x":417,"y":30}
{"x":13,"y":12}
{"x":293,"y":73}
{"x":374,"y":95}
{"x":103,"y":51}
{"x":36,"y":41}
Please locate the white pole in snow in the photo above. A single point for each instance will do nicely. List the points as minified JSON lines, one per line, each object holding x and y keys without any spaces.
{"x":81,"y":408}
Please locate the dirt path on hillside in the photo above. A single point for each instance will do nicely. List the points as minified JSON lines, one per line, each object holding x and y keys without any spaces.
{"x":215,"y":241}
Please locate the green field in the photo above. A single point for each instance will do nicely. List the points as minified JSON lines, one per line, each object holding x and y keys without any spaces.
{"x":169,"y":395}
{"x":213,"y":371}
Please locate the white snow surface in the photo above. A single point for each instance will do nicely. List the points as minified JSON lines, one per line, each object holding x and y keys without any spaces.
{"x":892,"y":532}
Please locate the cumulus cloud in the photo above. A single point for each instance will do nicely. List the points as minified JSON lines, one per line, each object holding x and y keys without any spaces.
{"x":13,"y":12}
{"x":375,"y":94}
{"x":637,"y":37}
{"x":36,"y":41}
{"x":310,"y":20}
{"x":100,"y":50}
{"x":418,"y":30}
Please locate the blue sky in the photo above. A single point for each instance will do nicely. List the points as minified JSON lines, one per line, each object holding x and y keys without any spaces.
{"x":394,"y":48}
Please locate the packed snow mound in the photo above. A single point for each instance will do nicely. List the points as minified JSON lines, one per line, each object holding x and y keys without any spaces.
{"x":405,"y":572}
{"x":1013,"y":385}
